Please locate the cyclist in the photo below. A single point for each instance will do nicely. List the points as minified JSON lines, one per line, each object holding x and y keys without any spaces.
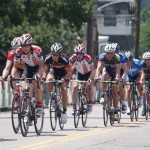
{"x":15,"y":43}
{"x":111,"y":61}
{"x":145,"y":75}
{"x":32,"y":57}
{"x":123,"y":73}
{"x":84,"y":66}
{"x":59,"y":69}
{"x":134,"y":67}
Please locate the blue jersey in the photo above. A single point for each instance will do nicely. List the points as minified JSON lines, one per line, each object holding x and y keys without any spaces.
{"x":135,"y":69}
{"x":122,"y":59}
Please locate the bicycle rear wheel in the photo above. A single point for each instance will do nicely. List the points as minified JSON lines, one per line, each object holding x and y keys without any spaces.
{"x":15,"y":113}
{"x":53,"y":111}
{"x":146,"y":106}
{"x":77,"y":110}
{"x":38,"y":121}
{"x":105,"y":109}
{"x":24,"y":116}
{"x":84,"y":110}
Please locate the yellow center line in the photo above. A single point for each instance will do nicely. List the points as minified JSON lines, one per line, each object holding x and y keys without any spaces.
{"x":74,"y":136}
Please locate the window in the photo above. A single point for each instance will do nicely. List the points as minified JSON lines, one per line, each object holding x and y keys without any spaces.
{"x":110,"y":20}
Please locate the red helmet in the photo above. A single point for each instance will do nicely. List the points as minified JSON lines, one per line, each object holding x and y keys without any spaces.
{"x":79,"y":48}
{"x":26,"y":39}
{"x":15,"y":42}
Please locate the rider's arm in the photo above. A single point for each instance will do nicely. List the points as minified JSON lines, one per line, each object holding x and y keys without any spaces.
{"x":99,"y":68}
{"x":15,"y":68}
{"x":118,"y":71}
{"x":142,"y":75}
{"x":7,"y":69}
{"x":92,"y":69}
{"x":45,"y":71}
{"x":124,"y":66}
{"x":68,"y":71}
{"x":41,"y":65}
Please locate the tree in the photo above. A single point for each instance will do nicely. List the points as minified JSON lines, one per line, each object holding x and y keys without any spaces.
{"x":46,"y":20}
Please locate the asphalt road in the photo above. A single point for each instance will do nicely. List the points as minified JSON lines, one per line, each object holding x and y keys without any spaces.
{"x":95,"y":136}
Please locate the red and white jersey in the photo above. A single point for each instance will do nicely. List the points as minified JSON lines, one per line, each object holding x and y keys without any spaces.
{"x":82,"y":67}
{"x":10,"y":58}
{"x":33,"y":59}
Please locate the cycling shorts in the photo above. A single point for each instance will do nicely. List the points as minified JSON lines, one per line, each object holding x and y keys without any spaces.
{"x":84,"y":77}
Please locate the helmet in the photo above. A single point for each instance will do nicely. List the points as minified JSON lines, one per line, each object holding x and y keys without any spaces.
{"x":128,"y":55}
{"x":117,"y":48}
{"x":110,"y":47}
{"x":15,"y":42}
{"x":79,"y":48}
{"x":56,"y":47}
{"x":146,"y":55}
{"x":26,"y":39}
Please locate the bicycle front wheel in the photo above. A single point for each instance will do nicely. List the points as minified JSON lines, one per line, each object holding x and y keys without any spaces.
{"x":105,"y":109}
{"x":77,"y":110}
{"x":53,"y":111}
{"x":38,"y":121}
{"x":15,"y":113}
{"x":84,"y":110}
{"x":24,"y":116}
{"x":136,"y":107}
{"x":132,"y":106}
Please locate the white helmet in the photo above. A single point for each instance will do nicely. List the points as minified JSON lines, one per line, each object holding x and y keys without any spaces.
{"x":128,"y":55}
{"x":26,"y":39}
{"x":146,"y":55}
{"x":110,"y":48}
{"x":79,"y":48}
{"x":56,"y":47}
{"x":15,"y":42}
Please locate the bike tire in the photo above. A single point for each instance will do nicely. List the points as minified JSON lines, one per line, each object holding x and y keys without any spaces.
{"x":84,"y":110}
{"x":136,"y":107}
{"x":146,"y":106}
{"x":105,"y":110}
{"x":38,"y":121}
{"x":132,"y":106}
{"x":77,"y":110}
{"x":53,"y":111}
{"x":24,"y":125}
{"x":15,"y":111}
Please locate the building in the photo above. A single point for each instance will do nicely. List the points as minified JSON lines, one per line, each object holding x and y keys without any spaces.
{"x":115,"y":19}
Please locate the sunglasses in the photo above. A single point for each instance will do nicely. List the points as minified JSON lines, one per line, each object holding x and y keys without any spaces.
{"x":109,"y":53}
{"x":26,"y":45}
{"x":79,"y":53}
{"x":55,"y":54}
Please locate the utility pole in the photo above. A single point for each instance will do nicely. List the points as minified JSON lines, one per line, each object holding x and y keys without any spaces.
{"x":137,"y":28}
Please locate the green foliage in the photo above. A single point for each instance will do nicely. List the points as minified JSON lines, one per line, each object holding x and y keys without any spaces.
{"x":47,"y":21}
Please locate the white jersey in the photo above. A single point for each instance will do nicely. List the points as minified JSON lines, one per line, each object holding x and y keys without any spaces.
{"x":82,"y":67}
{"x":32,"y":60}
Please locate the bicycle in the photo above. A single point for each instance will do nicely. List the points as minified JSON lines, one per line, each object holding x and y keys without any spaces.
{"x":147,"y":99}
{"x":108,"y":108}
{"x":80,"y":104}
{"x":15,"y":109}
{"x":55,"y":104}
{"x":27,"y":111}
{"x":134,"y":101}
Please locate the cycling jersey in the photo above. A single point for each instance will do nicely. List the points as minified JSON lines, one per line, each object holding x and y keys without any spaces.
{"x":82,"y":67}
{"x":134,"y":70}
{"x":146,"y":69}
{"x":36,"y":55}
{"x":110,"y":65}
{"x":122,"y":59}
{"x":10,"y":58}
{"x":58,"y":67}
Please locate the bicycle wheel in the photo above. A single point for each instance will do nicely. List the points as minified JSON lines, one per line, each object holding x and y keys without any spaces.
{"x":132,"y":106}
{"x":15,"y":113}
{"x":146,"y":106}
{"x":136,"y":107}
{"x":24,"y":116}
{"x":105,"y":109}
{"x":119,"y":118}
{"x":61,"y":125}
{"x":84,"y":110}
{"x":77,"y":110}
{"x":53,"y":111}
{"x":38,"y":121}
